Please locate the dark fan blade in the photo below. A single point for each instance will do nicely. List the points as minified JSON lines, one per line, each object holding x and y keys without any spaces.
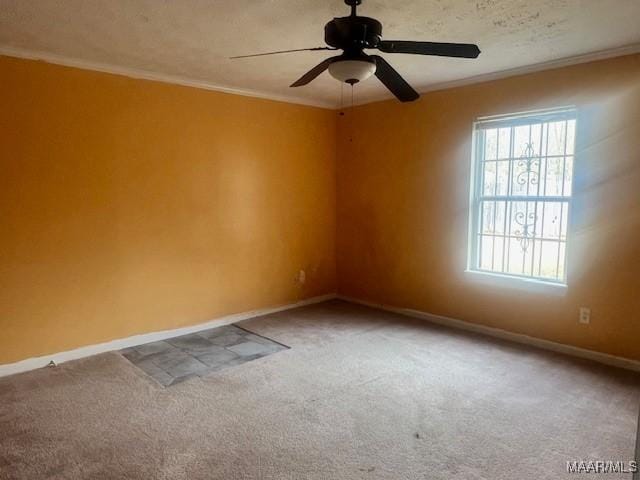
{"x":313,"y":73}
{"x":464,"y":50}
{"x":393,"y":81}
{"x":284,"y":51}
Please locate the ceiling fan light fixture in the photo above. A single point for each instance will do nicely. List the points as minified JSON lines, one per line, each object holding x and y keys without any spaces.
{"x":351,"y":71}
{"x":355,"y":34}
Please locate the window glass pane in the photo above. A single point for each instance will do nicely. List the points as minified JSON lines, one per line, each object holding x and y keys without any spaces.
{"x":536,"y":257}
{"x":521,"y":142}
{"x":519,"y":177}
{"x":556,"y":138}
{"x":551,"y":226}
{"x":553,"y":176}
{"x":487,"y":217}
{"x":564,"y":221}
{"x":527,"y":245}
{"x":561,"y":262}
{"x":504,"y":143}
{"x":536,"y":140}
{"x":489,"y":178}
{"x":549,"y":263}
{"x":500,"y":222}
{"x":544,"y":138}
{"x":523,"y":219}
{"x":490,"y":144}
{"x":502,"y":187}
{"x":568,"y":175}
{"x":571,"y":136}
{"x":486,"y":253}
{"x":498,"y":253}
{"x":515,"y":257}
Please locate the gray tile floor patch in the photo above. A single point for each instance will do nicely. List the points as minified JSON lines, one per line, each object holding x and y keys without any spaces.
{"x":176,"y":359}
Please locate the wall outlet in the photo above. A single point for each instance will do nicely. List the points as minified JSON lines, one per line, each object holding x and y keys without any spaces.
{"x":302,"y":277}
{"x":585,"y":315}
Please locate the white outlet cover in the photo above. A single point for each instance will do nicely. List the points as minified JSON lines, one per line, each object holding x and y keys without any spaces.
{"x":585,"y":315}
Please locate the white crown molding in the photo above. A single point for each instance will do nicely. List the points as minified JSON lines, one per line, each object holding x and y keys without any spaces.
{"x":514,"y":72}
{"x":187,"y":82}
{"x":87,"y":351}
{"x":154,"y":76}
{"x":599,"y":357}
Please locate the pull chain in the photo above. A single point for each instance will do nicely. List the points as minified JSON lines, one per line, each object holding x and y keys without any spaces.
{"x":342,"y":112}
{"x":351,"y":119}
{"x":352,"y":96}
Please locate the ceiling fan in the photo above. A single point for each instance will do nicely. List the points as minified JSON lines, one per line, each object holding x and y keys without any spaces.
{"x":354,"y":34}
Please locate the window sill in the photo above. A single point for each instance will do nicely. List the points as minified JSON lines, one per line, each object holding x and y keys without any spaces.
{"x":517,"y":283}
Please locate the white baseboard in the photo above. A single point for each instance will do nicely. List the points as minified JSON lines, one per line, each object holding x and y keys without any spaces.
{"x":600,"y":357}
{"x":61,"y":357}
{"x":39,"y":362}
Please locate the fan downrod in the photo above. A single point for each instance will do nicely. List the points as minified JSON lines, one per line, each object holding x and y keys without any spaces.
{"x":353,"y":4}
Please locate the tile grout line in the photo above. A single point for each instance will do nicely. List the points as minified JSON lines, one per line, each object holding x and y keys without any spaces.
{"x":261,"y":336}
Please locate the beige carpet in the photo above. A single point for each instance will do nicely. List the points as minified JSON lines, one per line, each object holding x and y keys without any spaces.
{"x":362,"y":394}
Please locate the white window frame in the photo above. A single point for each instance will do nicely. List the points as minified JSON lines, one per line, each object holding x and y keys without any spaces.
{"x":476,"y":196}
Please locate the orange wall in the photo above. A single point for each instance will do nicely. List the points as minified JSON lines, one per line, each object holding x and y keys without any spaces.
{"x":403,"y":193}
{"x":129,"y":206}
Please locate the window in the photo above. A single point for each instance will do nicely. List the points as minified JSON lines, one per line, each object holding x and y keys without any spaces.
{"x":521,"y":194}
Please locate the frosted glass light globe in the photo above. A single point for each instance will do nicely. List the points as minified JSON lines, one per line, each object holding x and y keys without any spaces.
{"x":352,"y":71}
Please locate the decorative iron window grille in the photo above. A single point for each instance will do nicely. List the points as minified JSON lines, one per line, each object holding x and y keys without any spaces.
{"x":521,"y":194}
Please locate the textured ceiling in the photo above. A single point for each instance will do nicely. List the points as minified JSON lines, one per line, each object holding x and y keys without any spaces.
{"x":193,"y":38}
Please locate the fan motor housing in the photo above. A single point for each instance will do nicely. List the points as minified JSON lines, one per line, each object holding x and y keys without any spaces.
{"x":353,"y":33}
